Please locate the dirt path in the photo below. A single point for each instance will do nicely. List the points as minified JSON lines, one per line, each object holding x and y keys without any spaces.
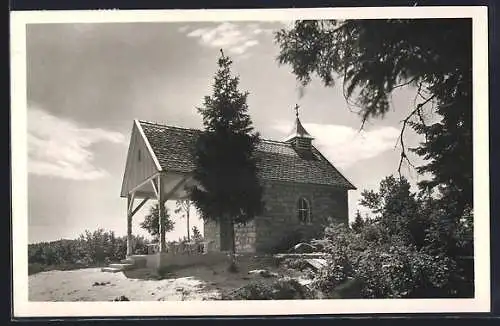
{"x":81,"y":285}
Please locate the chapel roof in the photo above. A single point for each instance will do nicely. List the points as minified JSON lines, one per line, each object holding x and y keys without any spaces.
{"x":279,"y":161}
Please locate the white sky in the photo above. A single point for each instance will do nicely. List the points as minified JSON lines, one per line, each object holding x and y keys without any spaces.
{"x":87,"y":82}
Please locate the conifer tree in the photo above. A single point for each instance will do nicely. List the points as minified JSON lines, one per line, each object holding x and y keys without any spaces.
{"x":373,"y":58}
{"x":358,"y":223}
{"x":228,"y":189}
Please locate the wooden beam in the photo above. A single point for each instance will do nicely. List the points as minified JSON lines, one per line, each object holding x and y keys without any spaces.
{"x":162,"y":198}
{"x":146,"y":181}
{"x":161,"y":210}
{"x":148,"y":145}
{"x":131,"y":201}
{"x":155,"y":187}
{"x":176,"y":187}
{"x":129,"y":226}
{"x":139,"y":206}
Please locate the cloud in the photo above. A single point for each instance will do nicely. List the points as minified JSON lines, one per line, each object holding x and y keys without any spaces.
{"x":183,"y":29}
{"x":60,"y":148}
{"x":237,"y":39}
{"x":344,"y":146}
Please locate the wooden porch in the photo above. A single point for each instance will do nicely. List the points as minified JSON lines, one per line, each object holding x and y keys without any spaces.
{"x":161,"y":186}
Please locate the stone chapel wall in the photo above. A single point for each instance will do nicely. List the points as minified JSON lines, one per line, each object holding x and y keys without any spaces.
{"x":280,"y":219}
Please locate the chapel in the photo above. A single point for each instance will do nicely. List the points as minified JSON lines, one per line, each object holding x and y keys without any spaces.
{"x":302,"y":189}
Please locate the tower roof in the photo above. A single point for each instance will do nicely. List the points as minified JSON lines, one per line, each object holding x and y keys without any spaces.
{"x":298,"y":130}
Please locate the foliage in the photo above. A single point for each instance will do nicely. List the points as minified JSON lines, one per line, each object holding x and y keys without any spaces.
{"x":385,"y":269}
{"x":374,"y":57}
{"x":197,"y":237}
{"x":229,"y":189}
{"x":358,"y":223}
{"x":281,"y":289}
{"x":299,"y":264}
{"x":89,"y":249}
{"x":404,"y":250}
{"x":151,"y":221}
{"x":183,"y":206}
{"x":397,"y":210}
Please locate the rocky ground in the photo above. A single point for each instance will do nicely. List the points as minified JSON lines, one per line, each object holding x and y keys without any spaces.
{"x":192,"y":283}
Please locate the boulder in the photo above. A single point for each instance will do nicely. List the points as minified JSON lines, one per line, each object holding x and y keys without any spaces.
{"x":316,"y":263}
{"x":263,"y":273}
{"x":303,"y":248}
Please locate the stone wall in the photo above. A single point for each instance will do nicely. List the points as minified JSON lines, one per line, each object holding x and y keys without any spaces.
{"x":211,"y":233}
{"x":279,"y":224}
{"x":244,"y":234}
{"x":245,"y":237}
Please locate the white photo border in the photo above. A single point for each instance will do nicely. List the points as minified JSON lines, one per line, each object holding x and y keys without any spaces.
{"x":24,"y":308}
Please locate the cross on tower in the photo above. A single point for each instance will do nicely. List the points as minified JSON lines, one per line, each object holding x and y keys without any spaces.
{"x":296,"y":108}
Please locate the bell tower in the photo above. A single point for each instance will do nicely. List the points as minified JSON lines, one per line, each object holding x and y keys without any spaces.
{"x":299,"y":138}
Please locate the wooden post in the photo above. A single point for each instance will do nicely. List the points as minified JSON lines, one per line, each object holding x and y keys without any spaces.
{"x":188,"y":208}
{"x":161,"y":212}
{"x":129,"y":226}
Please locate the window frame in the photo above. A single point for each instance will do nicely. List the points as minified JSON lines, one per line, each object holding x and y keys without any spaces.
{"x":306,"y":209}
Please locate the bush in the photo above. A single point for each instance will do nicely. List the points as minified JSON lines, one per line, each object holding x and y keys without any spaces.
{"x":282,"y":289}
{"x":90,"y":249}
{"x":384,"y":268}
{"x":295,"y":263}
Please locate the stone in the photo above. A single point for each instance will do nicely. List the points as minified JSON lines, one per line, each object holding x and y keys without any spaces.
{"x":303,"y":248}
{"x":316,"y":263}
{"x":263,"y":273}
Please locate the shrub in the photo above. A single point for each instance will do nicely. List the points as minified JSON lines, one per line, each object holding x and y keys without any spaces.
{"x":295,"y":263}
{"x":90,"y":249}
{"x":282,"y":289}
{"x":383,"y":268}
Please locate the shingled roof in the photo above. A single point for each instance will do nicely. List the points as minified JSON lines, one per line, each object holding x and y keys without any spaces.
{"x":173,"y":147}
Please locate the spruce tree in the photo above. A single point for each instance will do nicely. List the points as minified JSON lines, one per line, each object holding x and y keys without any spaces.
{"x":228,"y":189}
{"x":358,"y":222}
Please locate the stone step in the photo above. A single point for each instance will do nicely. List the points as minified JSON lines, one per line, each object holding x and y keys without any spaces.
{"x":127,"y":261}
{"x":122,"y":266}
{"x":111,"y":270}
{"x":137,"y":260}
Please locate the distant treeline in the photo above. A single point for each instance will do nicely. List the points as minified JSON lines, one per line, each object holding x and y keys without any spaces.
{"x":95,"y":248}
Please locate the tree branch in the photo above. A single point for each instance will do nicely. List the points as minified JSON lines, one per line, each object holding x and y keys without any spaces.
{"x":405,"y":84}
{"x":405,"y":121}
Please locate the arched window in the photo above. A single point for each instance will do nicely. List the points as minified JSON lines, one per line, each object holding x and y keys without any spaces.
{"x":304,"y":211}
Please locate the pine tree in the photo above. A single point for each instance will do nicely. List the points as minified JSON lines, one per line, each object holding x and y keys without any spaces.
{"x":229,"y":191}
{"x":358,"y":223}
